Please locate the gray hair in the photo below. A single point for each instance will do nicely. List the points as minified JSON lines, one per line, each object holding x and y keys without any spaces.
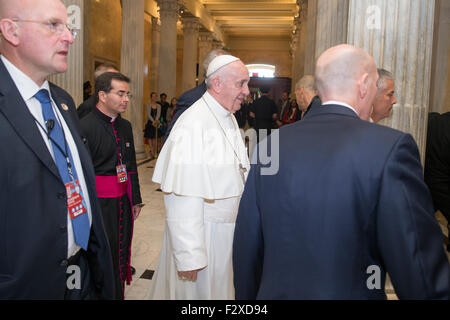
{"x":306,"y":82}
{"x":383,"y":75}
{"x":101,"y":69}
{"x":210,"y":57}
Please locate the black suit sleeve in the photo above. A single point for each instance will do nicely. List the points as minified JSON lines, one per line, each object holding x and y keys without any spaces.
{"x":437,"y":162}
{"x":248,"y":245}
{"x":409,"y":238}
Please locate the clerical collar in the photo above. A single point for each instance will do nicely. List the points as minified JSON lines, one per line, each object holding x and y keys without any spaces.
{"x":105,"y":117}
{"x":215,"y":106}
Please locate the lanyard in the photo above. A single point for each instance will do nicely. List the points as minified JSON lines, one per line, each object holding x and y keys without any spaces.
{"x":64,"y":152}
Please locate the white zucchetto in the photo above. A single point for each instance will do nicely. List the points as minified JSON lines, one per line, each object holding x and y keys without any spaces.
{"x":219,"y":62}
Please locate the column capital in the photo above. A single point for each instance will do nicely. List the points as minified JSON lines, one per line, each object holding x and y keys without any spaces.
{"x":191,"y":24}
{"x":156,"y":24}
{"x":205,"y":36}
{"x":168,"y":8}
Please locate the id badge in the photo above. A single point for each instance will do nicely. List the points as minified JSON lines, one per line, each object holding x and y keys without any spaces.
{"x":121,"y":173}
{"x":75,"y":202}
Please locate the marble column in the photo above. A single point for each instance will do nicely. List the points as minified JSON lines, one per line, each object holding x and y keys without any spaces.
{"x":310,"y":50}
{"x":72,"y":79}
{"x":399,"y":35}
{"x":167,"y":72}
{"x":204,"y":47}
{"x":132,"y":62}
{"x":301,"y":42}
{"x":190,"y":32}
{"x":332,"y":23}
{"x":294,"y":58}
{"x":155,"y":55}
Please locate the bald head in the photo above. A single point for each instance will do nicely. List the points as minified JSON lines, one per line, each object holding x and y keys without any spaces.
{"x":347,"y":74}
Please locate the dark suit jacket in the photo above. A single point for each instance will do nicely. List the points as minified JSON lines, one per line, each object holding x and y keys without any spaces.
{"x":186,"y":100}
{"x":86,"y":107}
{"x":437,"y":161}
{"x":33,"y":206}
{"x":264,"y":108}
{"x":348,"y":195}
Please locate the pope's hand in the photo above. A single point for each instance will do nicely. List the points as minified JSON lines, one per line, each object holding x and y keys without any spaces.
{"x":188,"y":275}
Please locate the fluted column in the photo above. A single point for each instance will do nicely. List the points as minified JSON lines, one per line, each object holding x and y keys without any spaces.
{"x":399,"y":35}
{"x":155,"y":54}
{"x":332,"y":23}
{"x":72,"y":80}
{"x":204,"y":47}
{"x":190,"y":32}
{"x":132,"y":62}
{"x":310,"y":50}
{"x":301,"y":40}
{"x":168,"y":13}
{"x":294,"y":58}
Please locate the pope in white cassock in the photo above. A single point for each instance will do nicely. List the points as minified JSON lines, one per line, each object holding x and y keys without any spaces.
{"x":202,"y":170}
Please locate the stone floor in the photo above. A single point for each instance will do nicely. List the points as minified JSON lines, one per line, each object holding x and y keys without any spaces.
{"x":148,"y":233}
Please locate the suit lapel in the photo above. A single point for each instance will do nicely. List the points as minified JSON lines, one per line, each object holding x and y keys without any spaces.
{"x":16,"y":112}
{"x":74,"y":130}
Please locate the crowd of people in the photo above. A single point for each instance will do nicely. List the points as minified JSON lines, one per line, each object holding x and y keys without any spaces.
{"x":347,"y":206}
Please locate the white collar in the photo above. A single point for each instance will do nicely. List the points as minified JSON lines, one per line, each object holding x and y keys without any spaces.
{"x":27,"y":87}
{"x":341,"y":104}
{"x":215,"y":106}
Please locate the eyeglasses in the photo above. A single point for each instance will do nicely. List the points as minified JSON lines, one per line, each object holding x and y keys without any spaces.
{"x":54,"y":27}
{"x":122,"y":94}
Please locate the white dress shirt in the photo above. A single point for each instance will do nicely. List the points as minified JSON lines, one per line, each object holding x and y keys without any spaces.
{"x":27,"y":89}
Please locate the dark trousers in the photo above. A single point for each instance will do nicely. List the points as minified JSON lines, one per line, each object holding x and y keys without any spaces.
{"x":87,"y":289}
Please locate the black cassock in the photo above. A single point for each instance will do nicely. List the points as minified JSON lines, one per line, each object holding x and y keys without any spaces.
{"x":111,"y":144}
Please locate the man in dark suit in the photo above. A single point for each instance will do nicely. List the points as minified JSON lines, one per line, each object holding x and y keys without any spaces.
{"x":306,"y":95}
{"x":437,"y":163}
{"x":46,"y":252}
{"x":356,"y":208}
{"x":188,"y":98}
{"x":264,"y":113}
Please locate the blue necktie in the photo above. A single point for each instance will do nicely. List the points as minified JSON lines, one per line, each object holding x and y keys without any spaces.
{"x":80,"y":224}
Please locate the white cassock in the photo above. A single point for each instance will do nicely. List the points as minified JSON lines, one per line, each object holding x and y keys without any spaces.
{"x":202,"y":170}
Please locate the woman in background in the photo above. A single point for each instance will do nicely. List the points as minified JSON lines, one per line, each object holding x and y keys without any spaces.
{"x":152,"y":126}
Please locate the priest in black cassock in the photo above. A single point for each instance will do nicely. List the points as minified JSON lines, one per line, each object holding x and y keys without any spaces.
{"x":110,"y":141}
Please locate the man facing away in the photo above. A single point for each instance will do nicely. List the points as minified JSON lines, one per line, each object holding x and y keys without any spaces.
{"x":385,"y":98}
{"x":202,"y":170}
{"x":355,"y":209}
{"x":52,"y":241}
{"x":110,"y":141}
{"x":306,"y":95}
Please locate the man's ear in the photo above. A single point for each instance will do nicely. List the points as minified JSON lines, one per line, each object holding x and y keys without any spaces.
{"x":216,"y":84}
{"x":10,"y":31}
{"x":102,"y":96}
{"x":363,"y":85}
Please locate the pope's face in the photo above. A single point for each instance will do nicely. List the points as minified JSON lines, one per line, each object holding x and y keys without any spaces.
{"x":235,"y":88}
